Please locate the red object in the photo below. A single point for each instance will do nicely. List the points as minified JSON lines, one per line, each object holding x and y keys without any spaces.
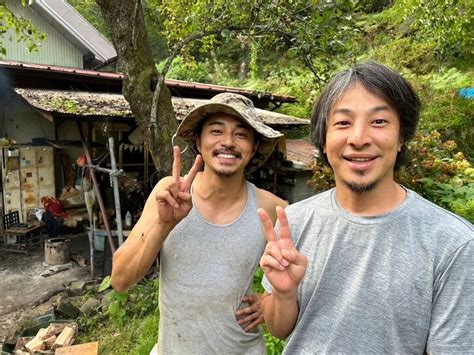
{"x":81,"y":160}
{"x":54,"y":206}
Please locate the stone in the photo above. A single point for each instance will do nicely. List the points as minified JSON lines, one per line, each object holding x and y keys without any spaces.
{"x":76,"y":288}
{"x":67,"y":308}
{"x":90,"y":306}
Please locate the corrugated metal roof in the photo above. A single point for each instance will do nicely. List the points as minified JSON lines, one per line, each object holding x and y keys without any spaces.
{"x":76,"y":104}
{"x":114,"y":81}
{"x":301,"y":152}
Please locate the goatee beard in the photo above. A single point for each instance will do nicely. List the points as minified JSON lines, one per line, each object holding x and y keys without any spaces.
{"x":360,"y":188}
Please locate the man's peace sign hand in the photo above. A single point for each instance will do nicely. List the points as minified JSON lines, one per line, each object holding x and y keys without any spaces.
{"x":283,"y":266}
{"x":173,"y":193}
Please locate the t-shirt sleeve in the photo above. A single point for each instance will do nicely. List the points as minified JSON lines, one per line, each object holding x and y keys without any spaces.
{"x":267,"y":285}
{"x":452,"y":316}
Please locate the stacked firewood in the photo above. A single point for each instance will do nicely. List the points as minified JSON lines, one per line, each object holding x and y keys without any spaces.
{"x":47,"y":340}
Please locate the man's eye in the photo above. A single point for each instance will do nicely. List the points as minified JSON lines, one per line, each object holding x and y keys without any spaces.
{"x":342,"y":123}
{"x":215,"y":131}
{"x":380,"y":121}
{"x":241,"y":134}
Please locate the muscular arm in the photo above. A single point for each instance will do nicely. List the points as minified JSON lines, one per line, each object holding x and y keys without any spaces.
{"x":168,"y":203}
{"x":134,"y":258}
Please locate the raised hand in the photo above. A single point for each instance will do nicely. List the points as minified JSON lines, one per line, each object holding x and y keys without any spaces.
{"x":173,"y":194}
{"x":282,"y":264}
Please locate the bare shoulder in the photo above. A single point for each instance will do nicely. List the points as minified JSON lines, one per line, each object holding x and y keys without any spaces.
{"x":269,"y":202}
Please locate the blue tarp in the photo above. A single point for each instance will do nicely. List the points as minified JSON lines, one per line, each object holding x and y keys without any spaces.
{"x":468,"y":93}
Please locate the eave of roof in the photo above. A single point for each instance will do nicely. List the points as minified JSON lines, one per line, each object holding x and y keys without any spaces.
{"x":73,"y":26}
{"x":302,"y":153}
{"x":89,"y":105}
{"x":40,"y":76}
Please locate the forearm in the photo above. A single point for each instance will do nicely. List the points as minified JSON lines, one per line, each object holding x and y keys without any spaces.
{"x":134,"y":258}
{"x":280,"y":314}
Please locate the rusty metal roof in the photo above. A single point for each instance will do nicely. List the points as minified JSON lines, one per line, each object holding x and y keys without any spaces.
{"x":40,"y":76}
{"x":77,"y":104}
{"x":301,"y":152}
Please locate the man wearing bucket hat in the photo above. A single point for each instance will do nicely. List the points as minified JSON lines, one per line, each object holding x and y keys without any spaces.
{"x":206,"y":229}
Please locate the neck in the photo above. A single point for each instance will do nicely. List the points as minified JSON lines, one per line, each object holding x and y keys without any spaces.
{"x":218,"y":189}
{"x":382,"y":199}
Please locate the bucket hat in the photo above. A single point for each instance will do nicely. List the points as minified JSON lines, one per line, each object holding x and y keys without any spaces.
{"x":240,"y":107}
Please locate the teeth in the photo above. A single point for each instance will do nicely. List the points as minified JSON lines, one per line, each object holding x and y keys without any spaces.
{"x":361,"y":160}
{"x":226,"y":156}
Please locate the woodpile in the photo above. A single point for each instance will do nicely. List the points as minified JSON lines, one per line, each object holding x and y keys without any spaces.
{"x":47,"y":340}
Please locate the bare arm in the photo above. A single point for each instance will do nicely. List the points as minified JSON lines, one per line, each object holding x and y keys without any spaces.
{"x":284,"y":268}
{"x":168,"y":203}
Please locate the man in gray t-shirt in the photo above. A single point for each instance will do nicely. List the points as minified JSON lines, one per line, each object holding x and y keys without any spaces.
{"x":369,"y":266}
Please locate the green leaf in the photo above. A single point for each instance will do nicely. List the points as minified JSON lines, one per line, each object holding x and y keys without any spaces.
{"x":105,"y":284}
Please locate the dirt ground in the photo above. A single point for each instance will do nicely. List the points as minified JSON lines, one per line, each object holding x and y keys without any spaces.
{"x":22,"y":287}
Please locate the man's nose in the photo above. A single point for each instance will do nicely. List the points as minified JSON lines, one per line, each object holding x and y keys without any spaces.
{"x":228,"y":140}
{"x":359,"y":135}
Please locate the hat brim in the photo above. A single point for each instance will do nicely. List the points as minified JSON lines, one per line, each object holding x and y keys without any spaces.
{"x":269,"y":136}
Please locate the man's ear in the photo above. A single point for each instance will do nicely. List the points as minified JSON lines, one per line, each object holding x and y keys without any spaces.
{"x":400,"y":145}
{"x":198,"y":143}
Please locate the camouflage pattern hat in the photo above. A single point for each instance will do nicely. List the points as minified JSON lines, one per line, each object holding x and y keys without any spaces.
{"x":240,"y":107}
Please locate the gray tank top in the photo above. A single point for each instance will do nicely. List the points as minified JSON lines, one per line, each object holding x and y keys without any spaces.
{"x":205,"y":271}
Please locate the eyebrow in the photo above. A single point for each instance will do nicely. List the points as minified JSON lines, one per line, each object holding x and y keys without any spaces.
{"x":216,"y":122}
{"x":373,"y":110}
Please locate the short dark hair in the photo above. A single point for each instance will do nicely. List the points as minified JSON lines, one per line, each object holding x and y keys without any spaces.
{"x":379,"y":80}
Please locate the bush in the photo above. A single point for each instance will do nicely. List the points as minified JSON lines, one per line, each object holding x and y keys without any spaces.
{"x":442,"y":174}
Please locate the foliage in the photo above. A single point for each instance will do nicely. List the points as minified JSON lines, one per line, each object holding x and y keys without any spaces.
{"x":24,"y":29}
{"x":447,"y":23}
{"x":129,"y":324}
{"x":91,"y":12}
{"x":441,"y":173}
{"x":313,"y":34}
{"x":188,"y":70}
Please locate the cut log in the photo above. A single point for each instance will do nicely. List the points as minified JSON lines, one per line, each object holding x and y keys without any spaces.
{"x":22,"y":341}
{"x":49,"y":342}
{"x":35,"y":344}
{"x":42,"y":333}
{"x":80,"y":349}
{"x":56,"y":329}
{"x":66,"y":338}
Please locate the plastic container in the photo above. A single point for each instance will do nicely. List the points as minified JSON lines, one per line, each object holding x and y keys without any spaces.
{"x":128,"y":220}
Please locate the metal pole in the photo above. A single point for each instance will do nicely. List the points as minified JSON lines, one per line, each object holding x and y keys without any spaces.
{"x":114,"y":181}
{"x":97,"y":191}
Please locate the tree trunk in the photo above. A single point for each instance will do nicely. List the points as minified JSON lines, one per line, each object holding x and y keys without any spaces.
{"x":126,"y":24}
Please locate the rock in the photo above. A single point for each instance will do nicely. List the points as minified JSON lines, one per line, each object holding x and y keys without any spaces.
{"x":106,"y":299}
{"x":90,"y":306}
{"x":27,"y":320}
{"x":76,"y":288}
{"x":67,"y":308}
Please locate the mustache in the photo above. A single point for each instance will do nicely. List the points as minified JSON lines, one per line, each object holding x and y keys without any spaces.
{"x":226,"y":151}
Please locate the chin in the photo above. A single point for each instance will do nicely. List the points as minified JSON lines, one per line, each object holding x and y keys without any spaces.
{"x":359,"y":187}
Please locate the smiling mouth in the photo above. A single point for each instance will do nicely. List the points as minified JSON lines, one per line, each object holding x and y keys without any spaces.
{"x":359,"y":160}
{"x":227,"y":155}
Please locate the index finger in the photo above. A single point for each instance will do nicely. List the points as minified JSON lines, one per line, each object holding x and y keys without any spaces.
{"x":268,"y":229}
{"x":285,"y":232}
{"x":176,"y":172}
{"x":188,"y":180}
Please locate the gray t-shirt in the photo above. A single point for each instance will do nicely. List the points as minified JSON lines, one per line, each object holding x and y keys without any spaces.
{"x":401,"y":282}
{"x":206,"y":270}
